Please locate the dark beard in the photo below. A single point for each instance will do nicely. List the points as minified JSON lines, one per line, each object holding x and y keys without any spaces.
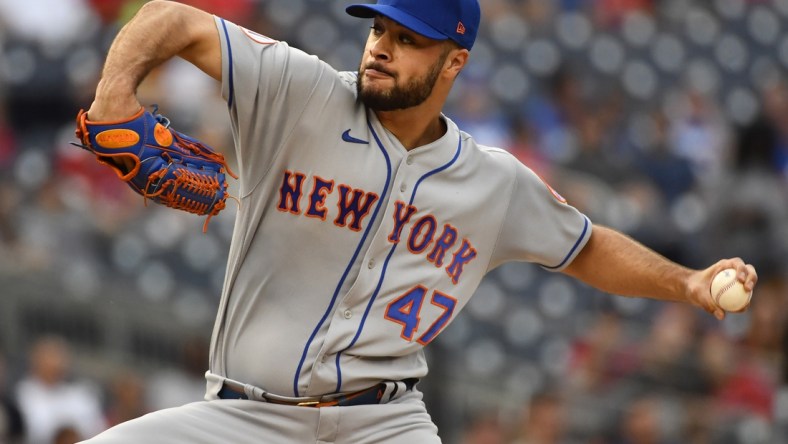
{"x":414,"y":93}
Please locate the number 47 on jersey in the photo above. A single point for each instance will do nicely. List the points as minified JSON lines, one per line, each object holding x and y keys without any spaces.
{"x":405,"y":310}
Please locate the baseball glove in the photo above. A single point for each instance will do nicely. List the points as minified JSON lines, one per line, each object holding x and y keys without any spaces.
{"x":158,"y":162}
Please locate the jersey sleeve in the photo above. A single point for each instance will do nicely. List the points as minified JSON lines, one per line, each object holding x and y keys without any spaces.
{"x":267,"y":85}
{"x":540,"y":226}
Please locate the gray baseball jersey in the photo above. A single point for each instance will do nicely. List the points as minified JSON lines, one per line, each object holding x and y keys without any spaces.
{"x":351,"y":253}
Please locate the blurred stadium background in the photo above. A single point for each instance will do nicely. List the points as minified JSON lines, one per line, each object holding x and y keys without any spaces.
{"x":666,"y":119}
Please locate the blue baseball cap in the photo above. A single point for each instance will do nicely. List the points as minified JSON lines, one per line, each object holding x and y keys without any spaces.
{"x":457,"y":20}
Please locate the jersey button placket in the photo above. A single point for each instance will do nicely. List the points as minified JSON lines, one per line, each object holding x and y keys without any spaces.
{"x":347,"y":314}
{"x":408,"y":160}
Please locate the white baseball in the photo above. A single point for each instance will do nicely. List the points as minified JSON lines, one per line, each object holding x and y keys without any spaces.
{"x":728,"y":292}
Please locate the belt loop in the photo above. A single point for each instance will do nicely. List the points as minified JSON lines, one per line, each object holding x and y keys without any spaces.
{"x":390,"y":389}
{"x":394,"y":388}
{"x":255,"y":393}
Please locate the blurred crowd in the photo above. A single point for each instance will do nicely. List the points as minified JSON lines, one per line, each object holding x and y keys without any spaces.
{"x":667,"y":120}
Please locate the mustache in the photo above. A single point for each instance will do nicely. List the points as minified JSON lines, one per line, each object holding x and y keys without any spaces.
{"x":377,"y":66}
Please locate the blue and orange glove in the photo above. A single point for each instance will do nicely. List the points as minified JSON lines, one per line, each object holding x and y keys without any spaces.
{"x":158,"y":162}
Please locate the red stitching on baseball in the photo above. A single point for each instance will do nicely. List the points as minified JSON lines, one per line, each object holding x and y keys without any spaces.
{"x":722,"y":290}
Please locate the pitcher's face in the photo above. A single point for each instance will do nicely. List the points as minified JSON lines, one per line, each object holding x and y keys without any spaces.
{"x":399,"y":67}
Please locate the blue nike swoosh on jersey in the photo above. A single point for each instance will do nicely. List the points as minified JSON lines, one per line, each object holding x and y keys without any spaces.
{"x":348,"y":138}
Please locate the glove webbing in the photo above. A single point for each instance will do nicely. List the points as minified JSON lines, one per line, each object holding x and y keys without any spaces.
{"x":167,"y":192}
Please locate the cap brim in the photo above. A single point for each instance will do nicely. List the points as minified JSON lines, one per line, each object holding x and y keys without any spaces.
{"x":404,"y":19}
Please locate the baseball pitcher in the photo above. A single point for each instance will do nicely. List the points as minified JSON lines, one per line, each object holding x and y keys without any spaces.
{"x":367,"y":220}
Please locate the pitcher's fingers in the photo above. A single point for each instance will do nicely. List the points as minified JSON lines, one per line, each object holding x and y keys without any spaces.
{"x":750,"y":277}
